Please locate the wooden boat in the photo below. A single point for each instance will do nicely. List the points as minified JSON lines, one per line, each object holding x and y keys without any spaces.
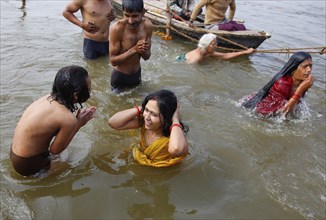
{"x":156,"y":12}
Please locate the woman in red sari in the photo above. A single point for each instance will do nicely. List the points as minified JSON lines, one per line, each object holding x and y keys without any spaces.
{"x":284,"y":91}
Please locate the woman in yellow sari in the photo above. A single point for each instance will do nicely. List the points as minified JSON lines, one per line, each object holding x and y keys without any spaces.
{"x":163,"y":142}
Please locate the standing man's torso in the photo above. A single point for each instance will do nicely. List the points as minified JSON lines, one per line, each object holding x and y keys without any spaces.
{"x":129,"y":39}
{"x":97,"y":11}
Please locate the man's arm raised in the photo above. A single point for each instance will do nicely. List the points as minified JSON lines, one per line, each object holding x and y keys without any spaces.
{"x":69,"y":128}
{"x":146,"y":53}
{"x":71,"y":8}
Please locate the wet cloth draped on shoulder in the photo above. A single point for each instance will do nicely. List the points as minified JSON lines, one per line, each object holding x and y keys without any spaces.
{"x":277,"y":97}
{"x":156,"y":154}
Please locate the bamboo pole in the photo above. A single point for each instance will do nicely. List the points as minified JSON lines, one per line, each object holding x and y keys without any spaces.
{"x":294,"y":50}
{"x":168,"y":19}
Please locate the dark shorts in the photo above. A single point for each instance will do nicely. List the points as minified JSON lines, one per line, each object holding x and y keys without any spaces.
{"x":94,"y":49}
{"x":121,"y":80}
{"x":31,"y":165}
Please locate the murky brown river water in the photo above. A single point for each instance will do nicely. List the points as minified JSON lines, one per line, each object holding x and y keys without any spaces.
{"x":240,"y":167}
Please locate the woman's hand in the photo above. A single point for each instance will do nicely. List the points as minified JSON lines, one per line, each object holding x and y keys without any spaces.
{"x":288,"y":107}
{"x":249,"y":51}
{"x":302,"y":88}
{"x":176,"y":116}
{"x":307,"y":83}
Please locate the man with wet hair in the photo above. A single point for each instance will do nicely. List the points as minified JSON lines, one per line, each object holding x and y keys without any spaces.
{"x":96,"y":19}
{"x":48,"y":125}
{"x":130,"y":40}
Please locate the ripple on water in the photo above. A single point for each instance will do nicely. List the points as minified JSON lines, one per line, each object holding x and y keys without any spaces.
{"x":13,"y":207}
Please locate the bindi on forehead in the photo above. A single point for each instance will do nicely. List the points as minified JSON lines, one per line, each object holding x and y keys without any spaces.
{"x":152,"y":106}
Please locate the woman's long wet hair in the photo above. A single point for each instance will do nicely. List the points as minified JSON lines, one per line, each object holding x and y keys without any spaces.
{"x":69,"y":82}
{"x":295,"y":60}
{"x":167,"y":104}
{"x":132,"y":6}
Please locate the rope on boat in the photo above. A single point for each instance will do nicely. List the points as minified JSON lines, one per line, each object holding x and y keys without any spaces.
{"x":311,"y":50}
{"x":315,"y":50}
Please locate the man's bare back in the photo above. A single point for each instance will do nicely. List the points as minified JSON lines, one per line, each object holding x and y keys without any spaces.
{"x":48,"y":125}
{"x":32,"y":138}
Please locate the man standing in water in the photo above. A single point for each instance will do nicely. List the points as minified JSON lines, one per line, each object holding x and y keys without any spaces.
{"x":130,"y":40}
{"x":96,"y":18}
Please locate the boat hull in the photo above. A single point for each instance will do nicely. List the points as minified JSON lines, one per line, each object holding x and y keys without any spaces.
{"x":228,"y":39}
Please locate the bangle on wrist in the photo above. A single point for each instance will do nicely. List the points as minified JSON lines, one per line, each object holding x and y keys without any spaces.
{"x":295,"y":97}
{"x":175,"y":125}
{"x":138,"y":111}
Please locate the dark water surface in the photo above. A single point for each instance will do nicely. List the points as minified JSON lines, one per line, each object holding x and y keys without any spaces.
{"x":240,"y":167}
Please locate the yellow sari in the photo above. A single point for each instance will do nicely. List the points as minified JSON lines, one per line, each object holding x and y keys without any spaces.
{"x":156,"y":154}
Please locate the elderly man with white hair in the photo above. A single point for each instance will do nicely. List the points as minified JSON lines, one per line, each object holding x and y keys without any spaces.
{"x":206,"y":48}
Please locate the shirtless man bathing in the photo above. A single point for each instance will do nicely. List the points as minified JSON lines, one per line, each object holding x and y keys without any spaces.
{"x":49,"y":124}
{"x":96,"y":18}
{"x":130,"y":40}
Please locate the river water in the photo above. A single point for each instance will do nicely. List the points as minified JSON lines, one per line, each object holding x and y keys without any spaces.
{"x":239,"y":167}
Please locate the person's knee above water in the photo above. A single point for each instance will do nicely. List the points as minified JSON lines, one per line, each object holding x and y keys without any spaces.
{"x":285,"y":90}
{"x":163,"y":142}
{"x":96,"y":19}
{"x":130,"y":40}
{"x":49,"y":124}
{"x":206,"y":48}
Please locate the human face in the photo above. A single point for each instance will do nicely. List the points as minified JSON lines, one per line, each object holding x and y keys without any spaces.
{"x":152,"y":117}
{"x":211,"y":47}
{"x":133,"y":19}
{"x":303,"y":70}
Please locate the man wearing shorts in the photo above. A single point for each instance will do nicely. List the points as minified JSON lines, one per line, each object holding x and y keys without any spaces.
{"x":130,"y":40}
{"x":96,"y":18}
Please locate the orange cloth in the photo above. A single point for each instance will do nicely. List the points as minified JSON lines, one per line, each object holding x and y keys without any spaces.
{"x":156,"y":154}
